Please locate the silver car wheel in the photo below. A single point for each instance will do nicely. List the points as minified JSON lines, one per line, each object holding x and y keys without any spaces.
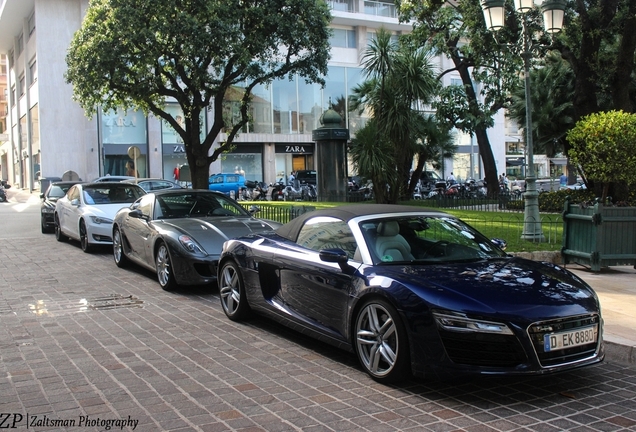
{"x":164,"y":268}
{"x":232,"y":292}
{"x":381,"y":343}
{"x":118,"y":249}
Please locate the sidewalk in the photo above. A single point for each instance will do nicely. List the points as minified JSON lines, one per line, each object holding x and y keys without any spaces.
{"x":616,"y":289}
{"x":615,"y":286}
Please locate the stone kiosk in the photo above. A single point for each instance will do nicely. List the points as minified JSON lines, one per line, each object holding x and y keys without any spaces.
{"x":331,"y":156}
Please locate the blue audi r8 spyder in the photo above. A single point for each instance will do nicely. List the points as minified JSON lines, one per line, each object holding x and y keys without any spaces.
{"x":412,"y":292}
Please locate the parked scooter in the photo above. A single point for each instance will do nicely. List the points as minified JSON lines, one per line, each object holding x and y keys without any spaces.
{"x":293,"y":192}
{"x":277,"y":189}
{"x":3,"y":194}
{"x":308,"y":192}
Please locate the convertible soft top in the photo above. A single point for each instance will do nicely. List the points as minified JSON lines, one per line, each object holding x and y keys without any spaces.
{"x":347,"y":212}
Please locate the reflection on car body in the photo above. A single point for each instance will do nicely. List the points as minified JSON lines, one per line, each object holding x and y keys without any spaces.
{"x":412,"y":291}
{"x":178,"y":233}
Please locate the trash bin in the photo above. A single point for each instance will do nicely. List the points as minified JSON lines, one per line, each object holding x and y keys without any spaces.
{"x":45,"y":182}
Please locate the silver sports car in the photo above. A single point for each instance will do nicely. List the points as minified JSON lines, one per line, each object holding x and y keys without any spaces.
{"x":179,"y":233}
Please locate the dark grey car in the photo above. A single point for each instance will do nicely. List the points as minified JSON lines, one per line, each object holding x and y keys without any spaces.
{"x":179,"y":233}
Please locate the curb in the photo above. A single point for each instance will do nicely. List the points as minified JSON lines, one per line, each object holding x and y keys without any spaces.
{"x":619,"y":353}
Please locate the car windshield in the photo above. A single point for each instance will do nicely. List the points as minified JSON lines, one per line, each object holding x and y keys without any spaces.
{"x":119,"y":193}
{"x":425,"y":239}
{"x":196,"y":204}
{"x":58,"y":191}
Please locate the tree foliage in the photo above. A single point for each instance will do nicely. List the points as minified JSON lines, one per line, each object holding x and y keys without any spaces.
{"x":552,"y":92}
{"x":604,"y":146}
{"x":138,"y":54}
{"x":487,"y":64}
{"x":399,"y":76}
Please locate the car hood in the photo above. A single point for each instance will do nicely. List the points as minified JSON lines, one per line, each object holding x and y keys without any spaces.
{"x":211,"y":232}
{"x":504,"y":286}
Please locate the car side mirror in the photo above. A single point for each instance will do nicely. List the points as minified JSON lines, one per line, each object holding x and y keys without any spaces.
{"x":337,"y":256}
{"x":136,"y":213}
{"x":254,"y":209}
{"x":75,"y":202}
{"x":42,"y":195}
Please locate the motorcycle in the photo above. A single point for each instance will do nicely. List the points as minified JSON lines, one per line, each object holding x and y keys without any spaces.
{"x":3,"y":194}
{"x":293,"y":192}
{"x":278,"y":191}
{"x":308,"y":192}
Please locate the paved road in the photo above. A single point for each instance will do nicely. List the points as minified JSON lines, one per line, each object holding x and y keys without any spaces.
{"x":84,"y":342}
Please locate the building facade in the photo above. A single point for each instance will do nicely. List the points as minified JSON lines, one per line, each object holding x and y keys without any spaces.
{"x":47,"y":135}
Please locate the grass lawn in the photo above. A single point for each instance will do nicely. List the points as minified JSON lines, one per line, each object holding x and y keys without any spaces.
{"x":503,"y":225}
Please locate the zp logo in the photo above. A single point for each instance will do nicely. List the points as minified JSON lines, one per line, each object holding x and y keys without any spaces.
{"x":10,"y":420}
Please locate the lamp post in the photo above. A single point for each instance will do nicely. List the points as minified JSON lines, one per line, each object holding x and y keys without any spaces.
{"x":494,"y":14}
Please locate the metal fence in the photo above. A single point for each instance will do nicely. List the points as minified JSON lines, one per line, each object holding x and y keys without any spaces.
{"x":509,"y":227}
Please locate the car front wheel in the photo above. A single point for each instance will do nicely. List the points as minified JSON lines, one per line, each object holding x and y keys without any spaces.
{"x":45,"y":228}
{"x":121,"y":260}
{"x":381,"y":343}
{"x":86,"y":246}
{"x":163,"y":264}
{"x":232,"y":292}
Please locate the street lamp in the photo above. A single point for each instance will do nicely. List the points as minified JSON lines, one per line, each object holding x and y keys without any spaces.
{"x":494,"y":14}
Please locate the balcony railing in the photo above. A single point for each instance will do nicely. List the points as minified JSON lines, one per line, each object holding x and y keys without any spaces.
{"x":379,"y":8}
{"x":341,"y":5}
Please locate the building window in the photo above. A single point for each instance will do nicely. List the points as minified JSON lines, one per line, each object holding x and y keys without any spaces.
{"x":33,"y":72}
{"x":456,"y":82}
{"x":11,"y":59}
{"x":343,"y":38}
{"x":22,"y":85}
{"x":20,"y":43}
{"x":13,"y":95}
{"x":31,"y":23}
{"x":395,"y":38}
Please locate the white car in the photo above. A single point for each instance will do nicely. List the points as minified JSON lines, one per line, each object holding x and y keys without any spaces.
{"x":87,"y":211}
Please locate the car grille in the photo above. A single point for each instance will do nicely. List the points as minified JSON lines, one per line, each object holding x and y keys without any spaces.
{"x":537,"y":331}
{"x":482,"y":349}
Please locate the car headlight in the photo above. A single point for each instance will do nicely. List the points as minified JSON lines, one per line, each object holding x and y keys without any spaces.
{"x":461,"y":323}
{"x":101,"y":220}
{"x":190,"y":245}
{"x":48,"y":210}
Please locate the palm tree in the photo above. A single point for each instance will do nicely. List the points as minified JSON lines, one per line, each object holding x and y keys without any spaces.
{"x":399,"y":77}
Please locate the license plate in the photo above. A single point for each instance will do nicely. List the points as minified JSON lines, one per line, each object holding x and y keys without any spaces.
{"x":582,"y":336}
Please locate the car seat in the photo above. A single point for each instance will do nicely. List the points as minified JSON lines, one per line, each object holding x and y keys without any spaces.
{"x":390,"y":245}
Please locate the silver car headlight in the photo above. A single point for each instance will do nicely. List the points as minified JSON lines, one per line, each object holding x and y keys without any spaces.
{"x":48,"y":210}
{"x":190,"y":245}
{"x":461,"y":323}
{"x":101,"y":220}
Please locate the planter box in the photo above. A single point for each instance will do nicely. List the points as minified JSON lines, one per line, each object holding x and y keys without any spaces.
{"x":599,"y":236}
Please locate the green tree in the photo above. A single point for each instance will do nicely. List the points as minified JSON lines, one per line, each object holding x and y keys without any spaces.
{"x":487,"y":65}
{"x":599,"y":42}
{"x":604,"y":146}
{"x":137,"y":54}
{"x":373,"y":158}
{"x":552,"y":91}
{"x":399,"y":76}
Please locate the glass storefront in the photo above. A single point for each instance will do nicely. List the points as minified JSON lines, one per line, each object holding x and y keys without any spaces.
{"x":246,"y":159}
{"x":293,"y":157}
{"x":121,"y":130}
